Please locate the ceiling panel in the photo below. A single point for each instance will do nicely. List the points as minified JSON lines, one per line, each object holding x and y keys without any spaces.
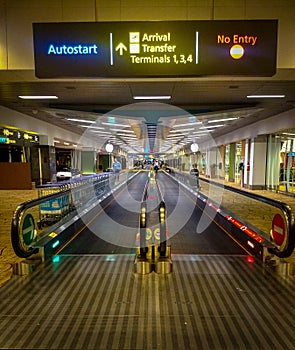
{"x":203,"y":97}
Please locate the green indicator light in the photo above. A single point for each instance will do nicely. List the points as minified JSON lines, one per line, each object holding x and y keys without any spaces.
{"x":55,"y":244}
{"x":55,"y":259}
{"x":111,"y":119}
{"x":110,"y":258}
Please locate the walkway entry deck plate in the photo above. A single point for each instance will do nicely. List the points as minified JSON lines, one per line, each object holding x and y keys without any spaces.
{"x":98,"y":302}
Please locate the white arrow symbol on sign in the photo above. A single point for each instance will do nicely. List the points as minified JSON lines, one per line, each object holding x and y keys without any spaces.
{"x":121,"y":47}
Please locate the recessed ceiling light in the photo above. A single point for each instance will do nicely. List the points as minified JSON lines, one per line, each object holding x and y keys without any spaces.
{"x":181,"y":130}
{"x":187,"y":124}
{"x":212,"y":126}
{"x":38,"y":97}
{"x":163,"y":97}
{"x":116,"y":124}
{"x":81,"y":120}
{"x":266,"y":96}
{"x":124,"y":131}
{"x":100,"y":132}
{"x":222,"y":120}
{"x":92,"y":127}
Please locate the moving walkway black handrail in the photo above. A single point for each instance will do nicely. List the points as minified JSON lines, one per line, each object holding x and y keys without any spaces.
{"x":143,"y":221}
{"x":16,"y":237}
{"x":285,"y":209}
{"x":17,"y":218}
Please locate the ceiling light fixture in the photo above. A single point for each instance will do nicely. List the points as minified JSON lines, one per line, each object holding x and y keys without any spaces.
{"x":266,"y":96}
{"x":81,"y":120}
{"x":201,"y":132}
{"x":101,"y":132}
{"x":163,"y":97}
{"x":124,"y":131}
{"x":204,"y":132}
{"x":222,"y":120}
{"x":92,"y":127}
{"x":186,"y":124}
{"x":36,"y":97}
{"x":116,"y":124}
{"x":181,"y":130}
{"x":212,"y":126}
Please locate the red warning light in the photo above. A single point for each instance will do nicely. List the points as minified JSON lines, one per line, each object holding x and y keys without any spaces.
{"x":250,"y":259}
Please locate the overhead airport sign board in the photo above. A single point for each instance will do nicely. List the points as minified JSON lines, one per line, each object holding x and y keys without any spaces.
{"x":155,"y":49}
{"x":17,"y":137}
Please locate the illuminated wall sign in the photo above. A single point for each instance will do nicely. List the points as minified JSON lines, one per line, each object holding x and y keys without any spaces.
{"x":155,"y":49}
{"x":17,"y":137}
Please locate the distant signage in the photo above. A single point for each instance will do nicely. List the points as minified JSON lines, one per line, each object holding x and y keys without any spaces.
{"x":17,"y":137}
{"x":146,"y":49}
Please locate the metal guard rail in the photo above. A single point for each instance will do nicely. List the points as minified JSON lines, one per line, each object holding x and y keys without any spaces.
{"x":285,"y":209}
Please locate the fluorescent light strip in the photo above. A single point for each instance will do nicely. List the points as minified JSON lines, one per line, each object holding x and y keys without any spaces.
{"x":187,"y":124}
{"x":100,"y":132}
{"x":222,"y":120}
{"x":182,"y":130}
{"x":81,"y":120}
{"x":115,"y":124}
{"x":36,"y":97}
{"x":212,"y":126}
{"x":124,"y":131}
{"x":266,"y":96}
{"x":92,"y":127}
{"x":163,"y":97}
{"x":201,"y":133}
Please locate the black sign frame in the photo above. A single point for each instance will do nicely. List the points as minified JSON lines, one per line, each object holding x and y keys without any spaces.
{"x":155,"y":49}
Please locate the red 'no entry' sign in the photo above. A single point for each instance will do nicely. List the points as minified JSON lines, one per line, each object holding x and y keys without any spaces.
{"x":278,"y":229}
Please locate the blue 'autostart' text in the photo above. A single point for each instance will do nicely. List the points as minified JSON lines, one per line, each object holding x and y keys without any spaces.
{"x":73,"y":49}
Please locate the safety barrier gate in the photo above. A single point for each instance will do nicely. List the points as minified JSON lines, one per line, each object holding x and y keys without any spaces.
{"x":153,"y":249}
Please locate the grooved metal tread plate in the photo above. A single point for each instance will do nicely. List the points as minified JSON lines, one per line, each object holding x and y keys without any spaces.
{"x":98,"y":302}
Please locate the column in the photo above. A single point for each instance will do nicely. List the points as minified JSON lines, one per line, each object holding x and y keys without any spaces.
{"x":221,"y":162}
{"x":232,"y":162}
{"x":273,"y":162}
{"x":257,"y":163}
{"x":43,"y":162}
{"x":88,"y":162}
{"x":212,"y":160}
{"x":76,"y":159}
